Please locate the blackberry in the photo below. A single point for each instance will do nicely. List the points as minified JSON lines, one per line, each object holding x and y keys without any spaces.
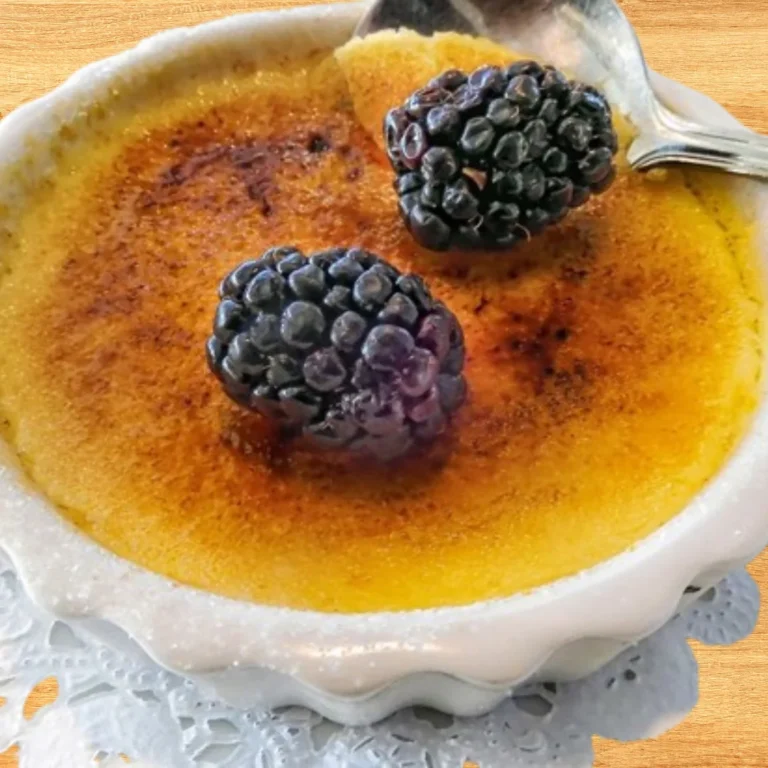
{"x":340,"y":347}
{"x":486,"y":159}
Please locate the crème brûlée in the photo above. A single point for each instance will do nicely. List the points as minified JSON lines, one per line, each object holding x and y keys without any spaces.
{"x":613,"y":361}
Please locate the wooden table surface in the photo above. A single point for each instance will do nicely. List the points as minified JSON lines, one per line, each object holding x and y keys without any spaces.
{"x":717,"y":46}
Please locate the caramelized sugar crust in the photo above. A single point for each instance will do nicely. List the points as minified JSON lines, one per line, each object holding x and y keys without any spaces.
{"x":612,"y":361}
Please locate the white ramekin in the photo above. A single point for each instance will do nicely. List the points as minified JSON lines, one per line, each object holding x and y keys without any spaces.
{"x":359,"y":668}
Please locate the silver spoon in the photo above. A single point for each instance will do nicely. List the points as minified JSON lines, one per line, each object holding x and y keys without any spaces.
{"x":593,"y":39}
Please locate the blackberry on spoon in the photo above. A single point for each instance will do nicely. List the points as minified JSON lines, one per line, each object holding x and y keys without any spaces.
{"x":486,"y":159}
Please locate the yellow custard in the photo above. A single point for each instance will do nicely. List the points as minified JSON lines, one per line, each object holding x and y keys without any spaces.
{"x":613,"y":361}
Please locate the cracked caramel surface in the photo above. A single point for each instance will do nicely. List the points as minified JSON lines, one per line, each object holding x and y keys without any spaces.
{"x":612,"y":360}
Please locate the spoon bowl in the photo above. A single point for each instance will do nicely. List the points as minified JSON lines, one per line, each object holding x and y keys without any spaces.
{"x":594,"y":39}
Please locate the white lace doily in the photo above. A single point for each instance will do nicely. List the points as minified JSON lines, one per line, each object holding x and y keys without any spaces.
{"x":114,"y":703}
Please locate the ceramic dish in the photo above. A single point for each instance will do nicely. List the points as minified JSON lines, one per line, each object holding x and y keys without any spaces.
{"x":359,"y":668}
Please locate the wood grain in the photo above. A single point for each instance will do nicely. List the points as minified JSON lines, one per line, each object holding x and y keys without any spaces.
{"x":719,"y":47}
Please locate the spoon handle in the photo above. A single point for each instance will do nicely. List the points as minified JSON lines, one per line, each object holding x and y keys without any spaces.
{"x":672,"y":139}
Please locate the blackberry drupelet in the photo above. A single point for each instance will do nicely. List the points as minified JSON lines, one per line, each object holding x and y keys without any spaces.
{"x":340,"y":347}
{"x":486,"y":159}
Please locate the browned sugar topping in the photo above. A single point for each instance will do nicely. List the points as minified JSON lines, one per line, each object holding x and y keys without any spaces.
{"x":602,"y":361}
